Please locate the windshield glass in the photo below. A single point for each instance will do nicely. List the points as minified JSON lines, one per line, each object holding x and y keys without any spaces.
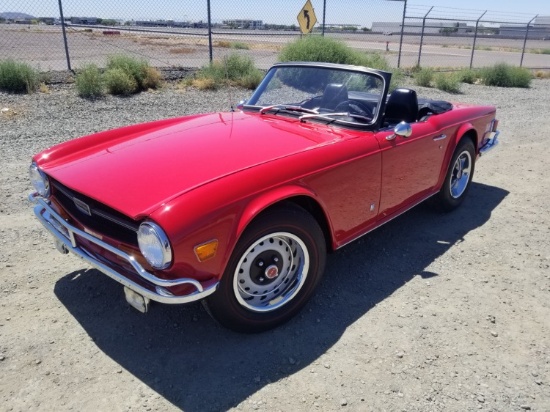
{"x":324,"y":93}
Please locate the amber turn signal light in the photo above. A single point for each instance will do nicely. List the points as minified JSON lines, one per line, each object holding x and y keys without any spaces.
{"x":207,"y":250}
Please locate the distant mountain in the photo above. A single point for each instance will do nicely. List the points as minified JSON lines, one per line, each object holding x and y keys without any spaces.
{"x":15,"y":15}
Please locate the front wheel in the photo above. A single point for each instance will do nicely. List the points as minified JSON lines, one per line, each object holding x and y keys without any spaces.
{"x":459,"y":176}
{"x":272,"y":272}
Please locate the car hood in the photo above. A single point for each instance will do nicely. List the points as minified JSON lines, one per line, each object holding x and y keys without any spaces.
{"x":138,"y":168}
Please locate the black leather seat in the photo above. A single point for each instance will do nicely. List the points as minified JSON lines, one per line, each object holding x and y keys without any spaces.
{"x":402,"y":106}
{"x":334,"y":95}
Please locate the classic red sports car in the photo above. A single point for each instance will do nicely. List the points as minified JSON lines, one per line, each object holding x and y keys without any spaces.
{"x":240,"y":208}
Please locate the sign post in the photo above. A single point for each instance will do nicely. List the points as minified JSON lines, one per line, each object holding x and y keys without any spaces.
{"x":307,"y":18}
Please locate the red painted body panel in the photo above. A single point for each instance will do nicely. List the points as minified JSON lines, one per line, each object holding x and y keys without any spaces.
{"x":137,"y":172}
{"x":206,"y":177}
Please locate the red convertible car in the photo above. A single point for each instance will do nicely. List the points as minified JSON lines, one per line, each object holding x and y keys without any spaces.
{"x":239,"y":209}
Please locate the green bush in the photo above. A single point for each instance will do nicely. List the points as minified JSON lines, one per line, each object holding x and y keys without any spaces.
{"x":89,"y":82}
{"x":504,"y":75}
{"x":469,"y":76}
{"x":119,"y":82}
{"x":326,"y":49}
{"x":448,"y":82}
{"x":424,"y":77}
{"x":18,"y":77}
{"x":145,"y":76}
{"x":233,"y":69}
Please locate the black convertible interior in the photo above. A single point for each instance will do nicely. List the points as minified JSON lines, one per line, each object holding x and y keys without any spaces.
{"x":402,"y":104}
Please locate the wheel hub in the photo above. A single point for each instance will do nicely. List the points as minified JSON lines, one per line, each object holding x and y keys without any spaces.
{"x":266,"y":267}
{"x":272,"y":272}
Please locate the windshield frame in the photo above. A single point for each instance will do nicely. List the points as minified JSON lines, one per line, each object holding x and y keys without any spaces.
{"x":383,"y":76}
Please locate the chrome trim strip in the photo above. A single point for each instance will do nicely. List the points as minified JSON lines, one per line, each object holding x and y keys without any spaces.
{"x":95,"y":211}
{"x":440,"y":137}
{"x":490,"y":143}
{"x":51,"y":220}
{"x":108,"y":217}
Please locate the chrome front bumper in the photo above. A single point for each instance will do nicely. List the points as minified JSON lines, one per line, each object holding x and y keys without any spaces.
{"x":491,"y":142}
{"x":65,"y":238}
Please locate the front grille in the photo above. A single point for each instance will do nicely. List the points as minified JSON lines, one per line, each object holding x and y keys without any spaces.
{"x":96,"y":216}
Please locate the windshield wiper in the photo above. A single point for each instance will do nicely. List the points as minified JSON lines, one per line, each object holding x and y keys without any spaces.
{"x":329,"y":116}
{"x":290,"y":108}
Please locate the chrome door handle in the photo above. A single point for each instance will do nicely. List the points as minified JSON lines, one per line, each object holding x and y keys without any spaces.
{"x":440,"y":137}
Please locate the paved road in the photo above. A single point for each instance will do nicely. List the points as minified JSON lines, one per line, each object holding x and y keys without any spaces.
{"x":43,"y":47}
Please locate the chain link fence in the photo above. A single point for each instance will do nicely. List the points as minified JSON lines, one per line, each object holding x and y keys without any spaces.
{"x":66,"y":34}
{"x":448,"y":38}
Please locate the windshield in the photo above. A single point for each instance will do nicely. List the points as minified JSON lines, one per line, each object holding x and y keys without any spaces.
{"x":328,"y":94}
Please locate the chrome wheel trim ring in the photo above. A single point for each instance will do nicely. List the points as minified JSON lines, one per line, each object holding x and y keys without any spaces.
{"x":460,"y":175}
{"x":289,"y":281}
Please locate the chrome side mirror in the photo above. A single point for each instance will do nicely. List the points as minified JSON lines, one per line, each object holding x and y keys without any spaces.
{"x":403,"y":129}
{"x":240,"y":105}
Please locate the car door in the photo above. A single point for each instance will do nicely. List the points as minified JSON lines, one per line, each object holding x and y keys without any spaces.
{"x":411,"y":166}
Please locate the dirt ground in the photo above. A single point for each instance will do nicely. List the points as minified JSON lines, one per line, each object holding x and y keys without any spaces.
{"x":432,"y":312}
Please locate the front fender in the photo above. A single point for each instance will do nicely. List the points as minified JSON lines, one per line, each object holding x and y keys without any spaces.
{"x":267,"y":199}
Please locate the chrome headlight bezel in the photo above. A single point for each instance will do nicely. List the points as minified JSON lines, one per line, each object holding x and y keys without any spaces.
{"x":39,"y":180}
{"x":154,"y":245}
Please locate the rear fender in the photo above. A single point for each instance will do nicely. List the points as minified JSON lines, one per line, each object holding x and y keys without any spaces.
{"x":462,"y":130}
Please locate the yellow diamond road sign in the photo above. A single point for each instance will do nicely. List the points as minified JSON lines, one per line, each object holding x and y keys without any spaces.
{"x":307,"y":18}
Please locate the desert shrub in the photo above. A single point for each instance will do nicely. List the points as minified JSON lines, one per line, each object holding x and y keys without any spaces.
{"x":448,"y":82}
{"x":233,"y":70}
{"x":119,"y":82}
{"x":317,"y":49}
{"x":250,"y":80}
{"x":423,"y":77}
{"x":204,"y":83}
{"x":153,"y":78}
{"x":504,"y":75}
{"x":469,"y":76}
{"x":325,"y":49}
{"x":144,"y":76}
{"x":239,"y":45}
{"x":18,"y":77}
{"x":541,"y":74}
{"x":89,"y":82}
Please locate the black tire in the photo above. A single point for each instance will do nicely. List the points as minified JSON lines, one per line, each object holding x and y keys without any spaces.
{"x":458,"y":178}
{"x":272,"y":272}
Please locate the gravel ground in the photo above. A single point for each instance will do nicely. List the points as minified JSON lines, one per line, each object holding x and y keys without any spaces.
{"x":429,"y":313}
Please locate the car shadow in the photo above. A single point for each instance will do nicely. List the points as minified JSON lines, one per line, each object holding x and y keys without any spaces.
{"x":197,"y":365}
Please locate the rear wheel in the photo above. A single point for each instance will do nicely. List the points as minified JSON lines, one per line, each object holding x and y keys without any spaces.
{"x":272,"y":273}
{"x":459,"y":177}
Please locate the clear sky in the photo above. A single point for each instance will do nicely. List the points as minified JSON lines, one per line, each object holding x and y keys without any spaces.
{"x":360,"y":12}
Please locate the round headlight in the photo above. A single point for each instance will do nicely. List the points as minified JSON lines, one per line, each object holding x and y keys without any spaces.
{"x":39,"y":180}
{"x":154,"y":245}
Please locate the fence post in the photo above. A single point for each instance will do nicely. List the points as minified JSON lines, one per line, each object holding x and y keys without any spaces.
{"x":324,"y":14}
{"x":209,"y":32}
{"x":64,"y":36}
{"x":475,"y":38}
{"x":422,"y":35}
{"x":402,"y":30}
{"x":525,"y":40}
